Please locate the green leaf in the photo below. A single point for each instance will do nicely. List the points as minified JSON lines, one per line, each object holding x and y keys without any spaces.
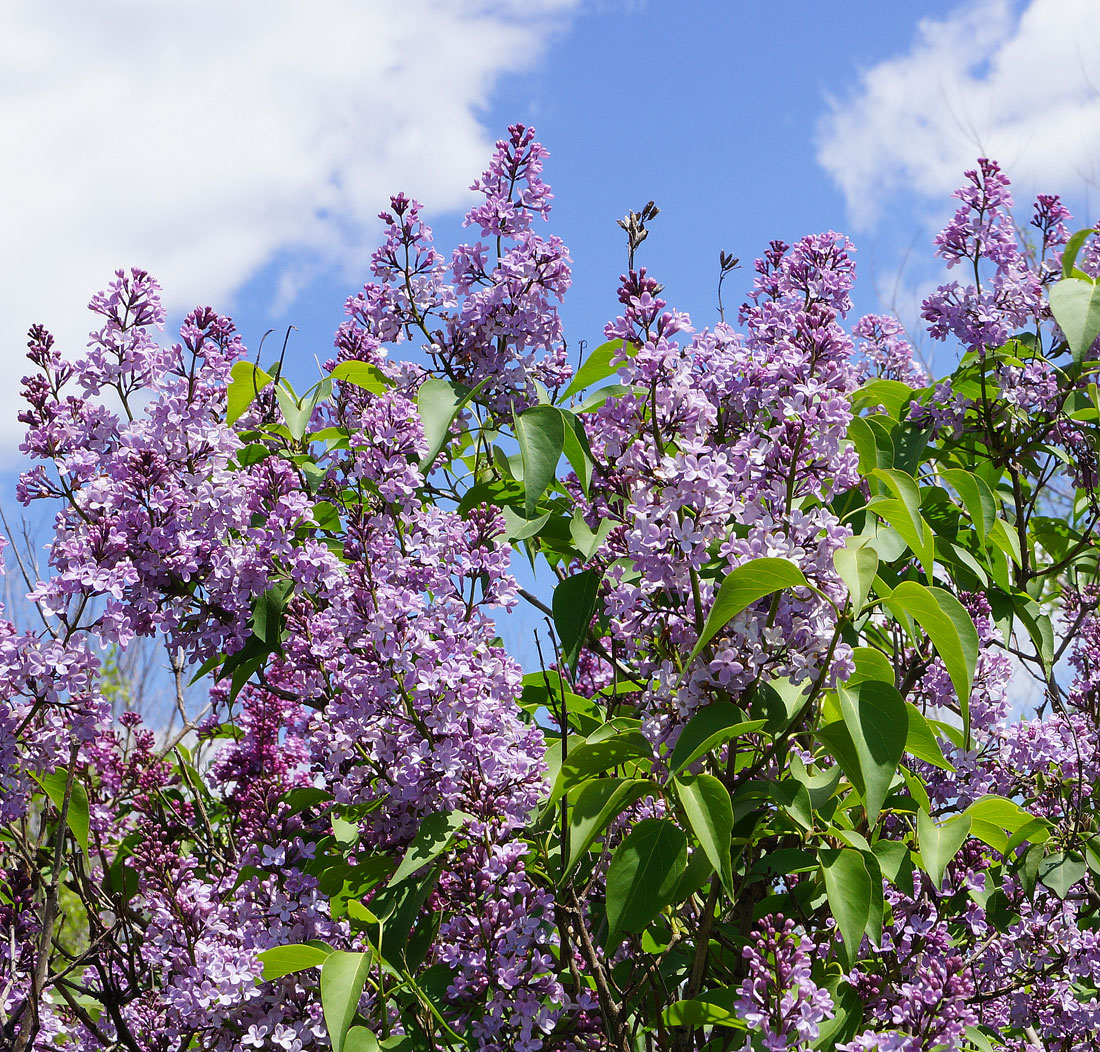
{"x":995,"y":820}
{"x":698,"y":872}
{"x":432,"y":838}
{"x":742,"y":587}
{"x":977,"y":498}
{"x":939,"y":844}
{"x":1006,"y":538}
{"x":297,"y":412}
{"x":916,"y":533}
{"x":345,"y":832}
{"x":360,"y":1039}
{"x":1038,"y":628}
{"x":594,"y":757}
{"x":577,"y":450}
{"x":904,"y":487}
{"x":245,"y":383}
{"x":857,"y":564}
{"x":951,"y":630}
{"x":598,"y":802}
{"x":643,"y":874}
{"x":1061,"y":871}
{"x":266,"y":621}
{"x":304,"y":796}
{"x":893,"y":858}
{"x":1075,"y":304}
{"x":874,"y":446}
{"x":978,"y":1039}
{"x":710,"y":728}
{"x":874,"y":713}
{"x":921,"y":741}
{"x":540,"y":432}
{"x":362,"y":374}
{"x":1073,"y":247}
{"x":706,"y":802}
{"x":598,"y":398}
{"x":343,"y":976}
{"x":709,"y":1008}
{"x":893,"y":395}
{"x":871,"y":664}
{"x":438,"y":402}
{"x":296,"y":957}
{"x":878,"y":899}
{"x":589,"y":541}
{"x":293,"y":415}
{"x":838,"y":740}
{"x":78,"y":817}
{"x":574,"y":604}
{"x":848,"y":886}
{"x":597,"y":366}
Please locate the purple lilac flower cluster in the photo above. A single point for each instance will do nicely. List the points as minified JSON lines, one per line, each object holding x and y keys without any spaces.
{"x":741,"y":450}
{"x":495,"y":320}
{"x":779,"y":1000}
{"x":383,"y":697}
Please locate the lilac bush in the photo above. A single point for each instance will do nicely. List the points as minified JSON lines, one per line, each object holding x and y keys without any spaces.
{"x":769,"y":787}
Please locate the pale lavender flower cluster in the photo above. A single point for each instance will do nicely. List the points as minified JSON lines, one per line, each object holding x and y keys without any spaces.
{"x":982,"y":230}
{"x":886,"y":351}
{"x":49,"y":703}
{"x":155,"y":521}
{"x":779,"y":1000}
{"x":493,"y":318}
{"x":720,"y":449}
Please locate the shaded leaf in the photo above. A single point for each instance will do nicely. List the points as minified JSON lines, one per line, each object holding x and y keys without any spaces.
{"x":708,"y":729}
{"x":78,"y":816}
{"x":644,"y":873}
{"x":848,"y":886}
{"x":706,"y":802}
{"x":874,"y":713}
{"x":432,"y":838}
{"x":574,"y":604}
{"x":598,"y":802}
{"x":922,"y":742}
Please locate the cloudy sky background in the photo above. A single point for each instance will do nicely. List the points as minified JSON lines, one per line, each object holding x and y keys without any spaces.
{"x":241,"y":151}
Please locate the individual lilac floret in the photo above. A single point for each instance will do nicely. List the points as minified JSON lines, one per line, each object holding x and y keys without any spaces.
{"x":779,"y":1000}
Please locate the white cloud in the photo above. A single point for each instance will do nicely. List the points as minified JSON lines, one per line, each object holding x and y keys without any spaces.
{"x":198,"y":139}
{"x":1019,"y":83}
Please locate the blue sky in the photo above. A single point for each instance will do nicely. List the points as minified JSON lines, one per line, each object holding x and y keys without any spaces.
{"x":710,"y":109}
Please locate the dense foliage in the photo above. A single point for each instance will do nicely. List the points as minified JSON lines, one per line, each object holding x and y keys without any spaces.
{"x":772,"y":787}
